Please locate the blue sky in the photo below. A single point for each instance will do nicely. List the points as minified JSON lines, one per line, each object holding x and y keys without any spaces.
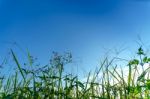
{"x":84,"y":27}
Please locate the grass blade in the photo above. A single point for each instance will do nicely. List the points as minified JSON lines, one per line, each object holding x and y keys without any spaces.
{"x":18,"y":65}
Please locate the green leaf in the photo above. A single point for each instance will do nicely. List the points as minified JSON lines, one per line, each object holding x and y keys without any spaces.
{"x":148,"y":59}
{"x":136,"y":62}
{"x":141,"y":77}
{"x":80,"y":84}
{"x":138,"y":89}
{"x":133,"y":62}
{"x":145,"y":60}
{"x":140,"y":51}
{"x":18,"y":65}
{"x":148,"y":84}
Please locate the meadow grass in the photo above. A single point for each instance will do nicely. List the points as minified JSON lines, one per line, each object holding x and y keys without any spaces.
{"x":109,"y":81}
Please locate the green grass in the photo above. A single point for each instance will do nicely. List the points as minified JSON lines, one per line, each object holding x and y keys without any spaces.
{"x":109,"y":81}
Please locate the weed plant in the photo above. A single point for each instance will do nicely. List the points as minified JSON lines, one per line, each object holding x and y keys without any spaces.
{"x":50,"y":82}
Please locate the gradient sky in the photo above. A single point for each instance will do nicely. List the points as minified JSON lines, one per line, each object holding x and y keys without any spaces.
{"x":84,"y":27}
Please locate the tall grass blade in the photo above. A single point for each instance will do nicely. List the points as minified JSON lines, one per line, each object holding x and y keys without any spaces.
{"x":18,"y":65}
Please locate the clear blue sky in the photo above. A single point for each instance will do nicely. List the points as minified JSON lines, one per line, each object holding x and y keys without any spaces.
{"x":83,"y":27}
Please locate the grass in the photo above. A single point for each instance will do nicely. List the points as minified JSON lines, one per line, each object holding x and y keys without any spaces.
{"x":50,"y":82}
